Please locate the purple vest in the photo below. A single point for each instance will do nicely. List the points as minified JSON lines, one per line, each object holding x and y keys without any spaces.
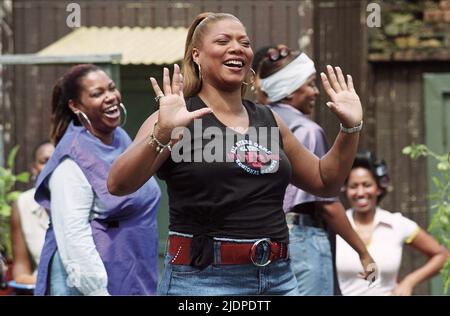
{"x":126,"y":234}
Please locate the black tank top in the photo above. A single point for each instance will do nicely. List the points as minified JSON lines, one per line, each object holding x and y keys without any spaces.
{"x":241,"y":197}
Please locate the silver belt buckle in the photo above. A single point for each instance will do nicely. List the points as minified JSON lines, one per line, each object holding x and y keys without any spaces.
{"x":253,"y":252}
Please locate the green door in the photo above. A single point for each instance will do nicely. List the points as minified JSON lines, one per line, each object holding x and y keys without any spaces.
{"x":437,"y":128}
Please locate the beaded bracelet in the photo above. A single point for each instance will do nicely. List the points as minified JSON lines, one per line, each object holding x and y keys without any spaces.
{"x":153,"y":141}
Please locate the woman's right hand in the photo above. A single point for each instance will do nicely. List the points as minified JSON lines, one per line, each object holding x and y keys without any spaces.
{"x":172,"y":106}
{"x":370,"y":267}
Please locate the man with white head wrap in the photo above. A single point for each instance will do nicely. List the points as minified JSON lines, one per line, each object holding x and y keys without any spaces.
{"x":290,"y":87}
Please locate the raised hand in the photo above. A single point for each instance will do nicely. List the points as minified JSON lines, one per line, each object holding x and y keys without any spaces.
{"x":172,"y":106}
{"x":345,"y":103}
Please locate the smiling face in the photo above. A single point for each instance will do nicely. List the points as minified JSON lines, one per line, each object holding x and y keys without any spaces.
{"x":99,"y":99}
{"x":304,"y":98}
{"x":362,"y":190}
{"x":225,"y":55}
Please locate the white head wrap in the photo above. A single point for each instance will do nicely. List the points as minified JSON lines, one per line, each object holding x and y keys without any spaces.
{"x":289,"y":78}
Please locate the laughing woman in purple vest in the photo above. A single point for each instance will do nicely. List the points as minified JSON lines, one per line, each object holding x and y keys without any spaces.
{"x":96,"y":244}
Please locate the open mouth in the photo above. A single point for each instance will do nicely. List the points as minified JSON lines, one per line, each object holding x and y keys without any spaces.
{"x":112,"y":111}
{"x":234,"y":63}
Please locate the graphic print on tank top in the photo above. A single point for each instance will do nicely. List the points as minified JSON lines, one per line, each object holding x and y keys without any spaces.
{"x":253,"y":157}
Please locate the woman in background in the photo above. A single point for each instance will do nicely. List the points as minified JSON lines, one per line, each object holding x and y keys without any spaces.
{"x":29,"y":222}
{"x":384,"y":234}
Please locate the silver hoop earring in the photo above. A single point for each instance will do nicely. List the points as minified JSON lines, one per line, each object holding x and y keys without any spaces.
{"x":84,"y":119}
{"x":124,"y":109}
{"x":252,"y":79}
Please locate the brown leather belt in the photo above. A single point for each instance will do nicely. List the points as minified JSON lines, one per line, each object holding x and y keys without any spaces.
{"x":230,"y":252}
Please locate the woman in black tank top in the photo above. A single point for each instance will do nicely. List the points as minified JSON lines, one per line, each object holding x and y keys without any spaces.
{"x":227,"y":162}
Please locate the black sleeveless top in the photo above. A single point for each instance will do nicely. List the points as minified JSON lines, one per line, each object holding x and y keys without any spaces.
{"x":222,"y":183}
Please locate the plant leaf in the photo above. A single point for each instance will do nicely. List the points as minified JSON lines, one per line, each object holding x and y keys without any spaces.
{"x":5,"y":210}
{"x":23,"y":177}
{"x":12,"y":156}
{"x":12,"y":196}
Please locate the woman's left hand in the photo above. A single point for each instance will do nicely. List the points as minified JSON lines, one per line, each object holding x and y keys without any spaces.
{"x":345,"y":103}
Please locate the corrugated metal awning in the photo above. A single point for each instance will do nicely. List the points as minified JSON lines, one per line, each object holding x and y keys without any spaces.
{"x":137,"y":45}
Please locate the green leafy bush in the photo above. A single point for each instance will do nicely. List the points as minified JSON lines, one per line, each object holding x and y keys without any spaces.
{"x":440,"y":200}
{"x":7,"y":196}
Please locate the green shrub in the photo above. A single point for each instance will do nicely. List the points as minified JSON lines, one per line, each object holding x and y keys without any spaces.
{"x":440,"y":200}
{"x":7,"y":196}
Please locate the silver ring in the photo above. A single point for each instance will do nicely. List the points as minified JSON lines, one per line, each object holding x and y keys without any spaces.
{"x":158,"y":97}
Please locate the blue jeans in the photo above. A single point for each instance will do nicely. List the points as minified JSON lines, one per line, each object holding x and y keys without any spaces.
{"x":311,"y":260}
{"x":241,"y":279}
{"x":58,"y":279}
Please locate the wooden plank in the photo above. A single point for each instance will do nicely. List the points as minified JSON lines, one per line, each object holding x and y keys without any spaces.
{"x":306,"y":26}
{"x":365,"y":77}
{"x":415,"y":177}
{"x":229,"y":6}
{"x":45,"y":89}
{"x":112,"y":13}
{"x":96,"y":14}
{"x":59,"y":26}
{"x":259,"y":27}
{"x":19,"y":119}
{"x":31,"y":18}
{"x":368,"y":134}
{"x":326,"y":47}
{"x":128,"y":15}
{"x":8,"y":77}
{"x":19,"y":29}
{"x":47,"y":25}
{"x":279,"y":32}
{"x":161,"y":15}
{"x":142,"y":14}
